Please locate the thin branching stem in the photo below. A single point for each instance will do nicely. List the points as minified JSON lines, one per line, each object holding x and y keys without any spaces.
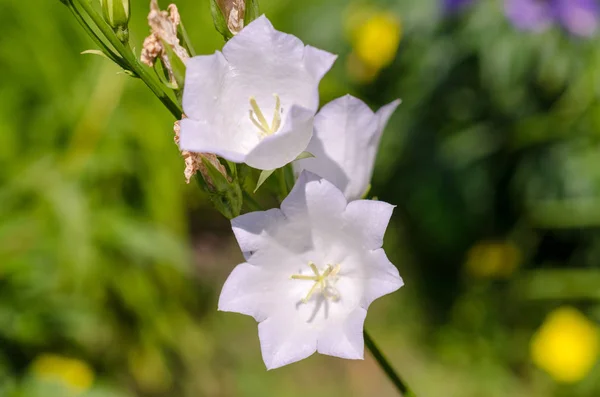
{"x":131,"y":61}
{"x":387,"y":367}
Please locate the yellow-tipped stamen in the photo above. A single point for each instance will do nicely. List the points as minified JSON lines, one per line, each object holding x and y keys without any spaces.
{"x":277,"y":114}
{"x":335,"y":270}
{"x":302,"y":277}
{"x":314,"y":269}
{"x":321,"y":281}
{"x":257,"y":124}
{"x":258,"y":118}
{"x":259,"y":114}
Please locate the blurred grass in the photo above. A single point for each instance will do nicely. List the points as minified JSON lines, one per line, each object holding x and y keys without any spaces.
{"x":107,"y":257}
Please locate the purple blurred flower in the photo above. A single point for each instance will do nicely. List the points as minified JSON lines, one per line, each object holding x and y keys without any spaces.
{"x":535,"y":15}
{"x":578,"y":17}
{"x":452,"y":6}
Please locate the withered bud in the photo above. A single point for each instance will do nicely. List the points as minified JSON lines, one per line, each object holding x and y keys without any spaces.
{"x":194,"y":163}
{"x":234,"y":12}
{"x":164,"y":24}
{"x":152,"y":49}
{"x":230,"y":16}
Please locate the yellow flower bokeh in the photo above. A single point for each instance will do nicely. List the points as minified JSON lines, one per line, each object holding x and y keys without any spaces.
{"x":376,"y":41}
{"x":375,"y":36}
{"x":493,"y":259}
{"x":71,"y":373}
{"x":566,"y":345}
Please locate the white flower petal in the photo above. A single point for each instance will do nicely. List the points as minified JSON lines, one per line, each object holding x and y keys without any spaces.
{"x":254,"y":230}
{"x":200,"y":92}
{"x":345,"y":340}
{"x":282,"y":343}
{"x":284,"y":146}
{"x":275,"y":62}
{"x":368,"y":219}
{"x":382,"y":277}
{"x":256,"y":64}
{"x":345,"y":143}
{"x":311,"y":273}
{"x":248,"y":290}
{"x":199,"y":137}
{"x":259,"y":39}
{"x":318,"y":62}
{"x":315,"y":199}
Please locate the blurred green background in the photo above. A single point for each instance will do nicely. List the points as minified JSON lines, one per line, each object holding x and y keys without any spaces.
{"x":111,"y":266}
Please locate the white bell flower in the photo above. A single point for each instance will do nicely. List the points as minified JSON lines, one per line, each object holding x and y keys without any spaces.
{"x":312,"y":269}
{"x":345,"y":143}
{"x":254,"y":102}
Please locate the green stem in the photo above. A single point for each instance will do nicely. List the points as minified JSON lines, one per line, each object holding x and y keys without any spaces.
{"x":131,"y":59}
{"x":386,"y":367}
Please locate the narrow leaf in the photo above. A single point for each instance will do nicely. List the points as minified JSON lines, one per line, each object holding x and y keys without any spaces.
{"x":304,"y":155}
{"x":95,"y":52}
{"x":262,"y":178}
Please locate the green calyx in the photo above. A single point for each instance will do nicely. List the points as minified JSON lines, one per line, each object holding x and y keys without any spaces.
{"x":223,"y":191}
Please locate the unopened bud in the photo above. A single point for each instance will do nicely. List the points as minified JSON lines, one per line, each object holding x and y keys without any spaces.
{"x":116,"y":14}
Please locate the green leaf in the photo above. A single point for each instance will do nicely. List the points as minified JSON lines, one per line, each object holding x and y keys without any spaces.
{"x":262,"y":178}
{"x":129,"y":73}
{"x":95,"y":52}
{"x":178,"y":67}
{"x":304,"y":155}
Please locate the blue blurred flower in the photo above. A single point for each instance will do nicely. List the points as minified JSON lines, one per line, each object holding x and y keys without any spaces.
{"x":578,"y":17}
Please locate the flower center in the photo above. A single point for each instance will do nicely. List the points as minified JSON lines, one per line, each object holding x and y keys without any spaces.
{"x":322,"y":281}
{"x":258,"y":118}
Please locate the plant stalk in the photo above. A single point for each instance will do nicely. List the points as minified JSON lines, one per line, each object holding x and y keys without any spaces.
{"x":130,"y":59}
{"x":385,"y":365}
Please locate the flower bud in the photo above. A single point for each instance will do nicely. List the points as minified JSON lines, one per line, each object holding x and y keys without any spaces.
{"x":116,"y":14}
